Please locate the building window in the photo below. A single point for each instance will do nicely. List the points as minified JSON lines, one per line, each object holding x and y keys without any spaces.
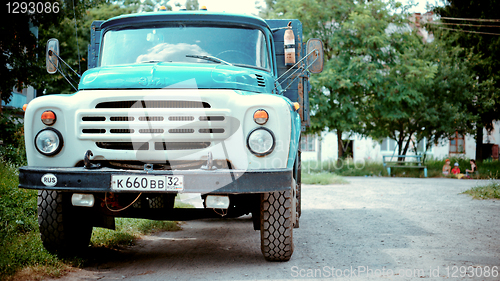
{"x":388,"y":145}
{"x":308,"y":143}
{"x":457,"y":144}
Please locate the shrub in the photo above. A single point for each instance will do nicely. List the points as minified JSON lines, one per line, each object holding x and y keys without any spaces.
{"x":13,"y":149}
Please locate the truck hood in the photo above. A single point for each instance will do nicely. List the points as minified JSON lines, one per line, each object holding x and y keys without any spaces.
{"x":177,"y":75}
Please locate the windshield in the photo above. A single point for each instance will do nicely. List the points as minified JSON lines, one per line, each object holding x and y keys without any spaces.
{"x":184,"y":43}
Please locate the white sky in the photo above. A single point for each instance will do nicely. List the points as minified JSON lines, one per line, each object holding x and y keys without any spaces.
{"x":421,"y":4}
{"x":229,"y":6}
{"x":249,"y":6}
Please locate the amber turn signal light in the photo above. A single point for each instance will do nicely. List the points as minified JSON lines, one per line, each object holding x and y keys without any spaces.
{"x":48,"y":118}
{"x":260,"y":116}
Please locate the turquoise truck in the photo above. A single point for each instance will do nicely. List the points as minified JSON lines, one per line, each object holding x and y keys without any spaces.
{"x":186,"y":102}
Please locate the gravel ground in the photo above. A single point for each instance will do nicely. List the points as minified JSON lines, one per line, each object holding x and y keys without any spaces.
{"x":374,"y":228}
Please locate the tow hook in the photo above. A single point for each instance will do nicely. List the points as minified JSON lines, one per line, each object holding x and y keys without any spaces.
{"x":210,"y":163}
{"x":87,"y":163}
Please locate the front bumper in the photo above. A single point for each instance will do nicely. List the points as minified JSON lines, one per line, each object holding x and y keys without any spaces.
{"x":222,"y":181}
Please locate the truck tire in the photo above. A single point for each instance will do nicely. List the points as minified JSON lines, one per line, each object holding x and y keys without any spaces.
{"x":298,"y":182}
{"x":299,"y":186}
{"x":276,"y":225}
{"x":63,"y":230}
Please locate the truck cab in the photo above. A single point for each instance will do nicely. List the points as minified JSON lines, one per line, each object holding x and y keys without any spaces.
{"x":172,"y":103}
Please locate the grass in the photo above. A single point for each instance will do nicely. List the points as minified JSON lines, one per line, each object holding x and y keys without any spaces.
{"x":345,"y":168}
{"x":20,"y":244}
{"x":488,"y":169}
{"x":128,"y":230}
{"x":322,"y":178}
{"x":22,"y":255}
{"x":488,"y":191}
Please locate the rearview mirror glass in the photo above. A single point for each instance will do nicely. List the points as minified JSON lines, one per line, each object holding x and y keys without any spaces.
{"x":51,"y":54}
{"x":315,"y":60}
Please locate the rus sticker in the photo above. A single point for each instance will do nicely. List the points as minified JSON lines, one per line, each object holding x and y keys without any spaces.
{"x":49,"y":180}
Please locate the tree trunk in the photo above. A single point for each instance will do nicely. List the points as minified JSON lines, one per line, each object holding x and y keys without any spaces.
{"x":407,"y":145}
{"x":340,"y":148}
{"x":400,"y":146}
{"x":479,"y":144}
{"x":318,"y":154}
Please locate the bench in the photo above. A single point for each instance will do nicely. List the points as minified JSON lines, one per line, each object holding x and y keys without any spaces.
{"x":417,"y":163}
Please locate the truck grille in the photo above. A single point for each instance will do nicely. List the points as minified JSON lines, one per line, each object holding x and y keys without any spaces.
{"x":154,"y":125}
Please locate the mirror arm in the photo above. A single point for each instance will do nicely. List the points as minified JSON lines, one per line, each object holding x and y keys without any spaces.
{"x":60,"y":59}
{"x":290,"y":84}
{"x":300,"y":68}
{"x":67,"y":80}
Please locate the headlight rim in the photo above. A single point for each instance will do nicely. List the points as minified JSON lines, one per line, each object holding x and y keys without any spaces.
{"x":58,"y":149}
{"x":267,"y":152}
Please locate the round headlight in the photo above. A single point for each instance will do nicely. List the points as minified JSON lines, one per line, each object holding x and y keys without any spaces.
{"x":49,"y":142}
{"x":261,"y":141}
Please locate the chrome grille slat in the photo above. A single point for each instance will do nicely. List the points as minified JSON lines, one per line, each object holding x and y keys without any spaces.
{"x":151,"y":118}
{"x":181,"y":131}
{"x":180,"y":118}
{"x":121,"y":118}
{"x":122,"y":131}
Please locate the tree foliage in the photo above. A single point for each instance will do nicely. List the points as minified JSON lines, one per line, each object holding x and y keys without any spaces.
{"x":23,"y":54}
{"x":471,"y":35}
{"x":380,"y":79}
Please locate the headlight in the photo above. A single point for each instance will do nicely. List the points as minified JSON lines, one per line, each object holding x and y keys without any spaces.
{"x":49,"y":141}
{"x":261,"y":141}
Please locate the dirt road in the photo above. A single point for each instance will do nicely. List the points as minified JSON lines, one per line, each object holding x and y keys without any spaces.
{"x":370,"y":229}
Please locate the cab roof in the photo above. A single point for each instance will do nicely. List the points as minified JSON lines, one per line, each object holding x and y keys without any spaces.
{"x":186,"y":16}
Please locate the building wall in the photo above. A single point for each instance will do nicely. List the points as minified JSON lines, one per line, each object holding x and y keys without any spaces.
{"x":18,"y":99}
{"x":367,"y":149}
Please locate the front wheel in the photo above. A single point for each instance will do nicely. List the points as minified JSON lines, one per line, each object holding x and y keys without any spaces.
{"x":276,"y":225}
{"x":63,"y":229}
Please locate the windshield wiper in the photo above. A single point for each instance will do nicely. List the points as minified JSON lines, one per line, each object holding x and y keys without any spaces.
{"x":209,"y":58}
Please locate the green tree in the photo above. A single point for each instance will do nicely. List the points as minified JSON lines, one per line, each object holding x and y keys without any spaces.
{"x":74,"y":50}
{"x":451,"y":93}
{"x":471,"y":35}
{"x":323,"y":20}
{"x":424,"y":96}
{"x":267,"y":11}
{"x":22,"y":42}
{"x":192,"y":5}
{"x":380,"y":79}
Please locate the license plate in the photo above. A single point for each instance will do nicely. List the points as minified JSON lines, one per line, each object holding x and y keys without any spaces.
{"x":147,"y":183}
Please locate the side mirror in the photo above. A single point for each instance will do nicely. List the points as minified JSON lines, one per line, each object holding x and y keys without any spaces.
{"x":315,"y":60}
{"x":51,"y":55}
